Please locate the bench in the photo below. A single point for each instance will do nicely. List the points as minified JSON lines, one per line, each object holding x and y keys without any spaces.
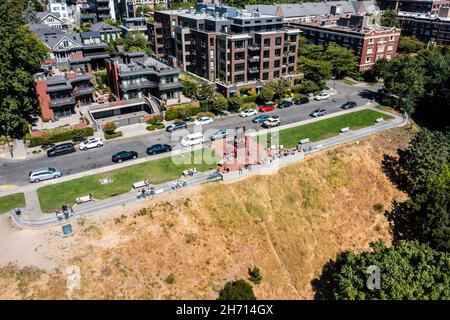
{"x":344,"y":130}
{"x":140,"y":184}
{"x":304,"y":141}
{"x":84,"y":199}
{"x":379,"y":120}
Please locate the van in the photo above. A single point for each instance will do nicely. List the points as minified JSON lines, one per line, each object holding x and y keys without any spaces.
{"x":63,"y":148}
{"x":192,"y":139}
{"x":46,"y":173}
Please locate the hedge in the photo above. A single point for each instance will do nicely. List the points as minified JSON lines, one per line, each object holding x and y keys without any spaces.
{"x":181,"y":111}
{"x":248,"y":99}
{"x":60,"y":135}
{"x":113,"y":135}
{"x":155,"y":126}
{"x":250,"y":105}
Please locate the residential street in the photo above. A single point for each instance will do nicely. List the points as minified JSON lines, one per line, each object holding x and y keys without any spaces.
{"x":16,"y":172}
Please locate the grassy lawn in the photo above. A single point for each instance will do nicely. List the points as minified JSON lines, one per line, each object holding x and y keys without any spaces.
{"x":327,"y":128}
{"x":157,"y":171}
{"x":16,"y":200}
{"x":185,"y":76}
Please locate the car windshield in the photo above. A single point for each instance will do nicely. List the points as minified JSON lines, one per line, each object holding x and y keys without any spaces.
{"x":51,"y":169}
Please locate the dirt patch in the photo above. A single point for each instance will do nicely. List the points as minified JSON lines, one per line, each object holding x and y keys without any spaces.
{"x":188,"y":244}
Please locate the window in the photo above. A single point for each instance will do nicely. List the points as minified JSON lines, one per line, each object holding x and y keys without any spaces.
{"x":276,"y":74}
{"x":390,"y":47}
{"x":239,"y":56}
{"x":368,"y":59}
{"x":266,"y":53}
{"x":388,"y":57}
{"x":265,"y":76}
{"x":370,"y":41}
{"x":380,"y":48}
{"x":211,"y":41}
{"x":266,"y":42}
{"x":391,"y":38}
{"x":369,"y":50}
{"x":239,"y":44}
{"x":278,"y":41}
{"x":277,"y":64}
{"x":174,"y":22}
{"x":266,"y":65}
{"x":239,"y":78}
{"x":277,"y":52}
{"x":239,"y":67}
{"x":211,"y":53}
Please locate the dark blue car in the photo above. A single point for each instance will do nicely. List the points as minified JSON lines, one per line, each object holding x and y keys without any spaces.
{"x":158,"y":148}
{"x":261,"y":118}
{"x":124,"y":155}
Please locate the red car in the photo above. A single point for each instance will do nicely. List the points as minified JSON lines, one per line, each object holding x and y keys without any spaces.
{"x":269,"y":106}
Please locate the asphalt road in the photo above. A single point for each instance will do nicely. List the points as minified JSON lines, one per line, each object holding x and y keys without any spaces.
{"x":16,"y":172}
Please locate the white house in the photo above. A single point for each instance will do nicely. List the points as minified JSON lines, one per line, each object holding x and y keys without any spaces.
{"x":61,"y":7}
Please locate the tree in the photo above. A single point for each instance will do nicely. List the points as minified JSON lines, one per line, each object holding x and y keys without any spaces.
{"x":235,"y":103}
{"x":29,"y":14}
{"x":410,"y":45}
{"x":388,"y":19}
{"x":20,"y":55}
{"x":206,"y":92}
{"x":380,"y":69}
{"x":237,"y":290}
{"x":408,"y":270}
{"x":109,"y":127}
{"x":136,"y":42}
{"x":189,"y":88}
{"x":255,"y":275}
{"x":278,"y":86}
{"x":220,"y":103}
{"x":266,"y":93}
{"x":309,"y":50}
{"x":142,"y":10}
{"x":343,"y":61}
{"x":308,"y":86}
{"x":315,"y":70}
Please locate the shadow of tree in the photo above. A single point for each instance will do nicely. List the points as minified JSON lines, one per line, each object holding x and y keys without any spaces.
{"x":323,"y":285}
{"x":400,"y":220}
{"x":368,"y":94}
{"x":394,"y":168}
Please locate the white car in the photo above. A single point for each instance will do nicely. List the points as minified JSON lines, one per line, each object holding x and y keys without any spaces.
{"x":248,"y":113}
{"x":192,"y":139}
{"x":91,"y":143}
{"x":322,"y":96}
{"x":203,"y":121}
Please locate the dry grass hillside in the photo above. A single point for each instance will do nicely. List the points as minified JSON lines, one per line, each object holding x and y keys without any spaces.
{"x":288,"y":224}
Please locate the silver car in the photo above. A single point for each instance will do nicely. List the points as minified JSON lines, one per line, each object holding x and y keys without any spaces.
{"x":46,"y":173}
{"x":219,"y":134}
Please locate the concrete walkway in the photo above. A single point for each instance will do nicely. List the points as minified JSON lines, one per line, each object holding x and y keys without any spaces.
{"x":34,"y":218}
{"x":19,"y":151}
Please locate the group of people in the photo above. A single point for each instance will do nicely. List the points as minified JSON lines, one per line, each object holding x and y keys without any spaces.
{"x":283,"y":152}
{"x":65,"y":213}
{"x":146,"y":192}
{"x":190,"y":172}
{"x":179,"y":183}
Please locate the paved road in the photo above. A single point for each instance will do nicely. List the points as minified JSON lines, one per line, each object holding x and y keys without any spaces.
{"x":16,"y":172}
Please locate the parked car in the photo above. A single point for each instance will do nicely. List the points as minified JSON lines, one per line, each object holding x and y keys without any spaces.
{"x":61,"y":149}
{"x":124,"y":155}
{"x":46,"y":146}
{"x":318,"y":112}
{"x":269,"y":106}
{"x":219,"y":134}
{"x":261,"y":118}
{"x":248,"y":112}
{"x":176,"y":126}
{"x":349,"y":105}
{"x":91,"y":143}
{"x":203,"y":121}
{"x":158,"y":148}
{"x":285,"y":104}
{"x":322,"y":96}
{"x":192,"y":139}
{"x":301,"y":100}
{"x":46,"y":173}
{"x":273,"y":121}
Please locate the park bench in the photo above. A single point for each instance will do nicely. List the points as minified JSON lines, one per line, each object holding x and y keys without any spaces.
{"x":344,"y":130}
{"x":84,"y":199}
{"x":379,"y":120}
{"x":304,"y":141}
{"x":140,"y":184}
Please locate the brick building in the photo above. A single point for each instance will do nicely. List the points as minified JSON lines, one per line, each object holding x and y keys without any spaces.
{"x":419,"y":6}
{"x":369,"y":42}
{"x":59,"y":94}
{"x":234,"y":48}
{"x":425,"y":27}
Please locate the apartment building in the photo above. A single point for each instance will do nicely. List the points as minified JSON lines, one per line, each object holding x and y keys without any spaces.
{"x":134,"y":25}
{"x":136,"y":75}
{"x":234,"y":48}
{"x":419,"y":6}
{"x":107,"y":32}
{"x":369,"y":42}
{"x":128,"y":8}
{"x":431,"y":29}
{"x":59,"y":94}
{"x":103,"y":9}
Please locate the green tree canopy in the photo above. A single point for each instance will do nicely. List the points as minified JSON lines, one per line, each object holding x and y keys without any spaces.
{"x":410,"y":45}
{"x":343,"y":61}
{"x":388,"y":19}
{"x":409,"y":271}
{"x":189,"y":89}
{"x":29,"y":14}
{"x":237,"y":290}
{"x":136,"y":42}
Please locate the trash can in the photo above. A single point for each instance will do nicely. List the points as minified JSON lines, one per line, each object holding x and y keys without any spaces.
{"x":17,"y":211}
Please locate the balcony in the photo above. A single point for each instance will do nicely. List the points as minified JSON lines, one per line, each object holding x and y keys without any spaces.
{"x":62,"y":101}
{"x":79,"y":91}
{"x":138,"y":85}
{"x":253,"y":59}
{"x":254,"y":47}
{"x":253,"y":70}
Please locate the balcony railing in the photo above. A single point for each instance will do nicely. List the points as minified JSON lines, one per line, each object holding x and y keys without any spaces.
{"x":62,"y":101}
{"x":253,"y":70}
{"x":254,"y":47}
{"x":253,"y":59}
{"x":83,"y":90}
{"x":138,"y":85}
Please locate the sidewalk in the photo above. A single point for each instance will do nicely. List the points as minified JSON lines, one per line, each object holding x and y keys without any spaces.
{"x":19,"y":151}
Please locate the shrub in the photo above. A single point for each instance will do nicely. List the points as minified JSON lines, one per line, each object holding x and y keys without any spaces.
{"x":155,"y":119}
{"x":235,"y":103}
{"x":27,"y":136}
{"x":378,"y":207}
{"x":153,"y":127}
{"x":109,"y":127}
{"x":249,"y":99}
{"x":60,"y":135}
{"x":307,"y":86}
{"x":237,"y":290}
{"x":180,"y":111}
{"x":205,"y":114}
{"x":170,"y":279}
{"x":255,"y":275}
{"x":113,"y":135}
{"x":250,"y":105}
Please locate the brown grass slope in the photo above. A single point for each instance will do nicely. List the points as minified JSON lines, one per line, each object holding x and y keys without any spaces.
{"x":289,"y":225}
